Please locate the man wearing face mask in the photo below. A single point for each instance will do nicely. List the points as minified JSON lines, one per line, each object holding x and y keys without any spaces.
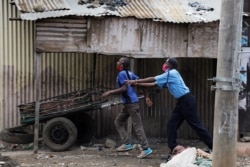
{"x":131,"y":108}
{"x":185,"y":108}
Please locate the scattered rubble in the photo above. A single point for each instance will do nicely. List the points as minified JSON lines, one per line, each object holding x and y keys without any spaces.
{"x":111,"y":4}
{"x":6,"y":161}
{"x":98,"y":153}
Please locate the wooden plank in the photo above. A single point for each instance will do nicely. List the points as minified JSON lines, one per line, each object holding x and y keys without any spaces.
{"x":61,"y":46}
{"x":81,"y":20}
{"x":37,"y":91}
{"x":68,"y":25}
{"x":59,"y":29}
{"x":58,"y":34}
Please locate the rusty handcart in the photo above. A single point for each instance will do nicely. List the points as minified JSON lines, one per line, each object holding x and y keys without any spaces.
{"x":65,"y":119}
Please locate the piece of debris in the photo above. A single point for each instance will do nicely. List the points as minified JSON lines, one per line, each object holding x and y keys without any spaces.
{"x":39,"y":6}
{"x":198,"y":6}
{"x":137,"y":146}
{"x":94,"y":147}
{"x":245,"y":139}
{"x":81,"y":2}
{"x":91,"y":148}
{"x":28,"y":146}
{"x":92,"y":6}
{"x":14,"y":147}
{"x":96,"y":3}
{"x":7,"y":161}
{"x":83,"y":148}
{"x":110,"y":143}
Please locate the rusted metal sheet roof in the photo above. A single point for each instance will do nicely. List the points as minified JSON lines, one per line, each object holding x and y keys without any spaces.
{"x":72,"y":8}
{"x":28,"y":6}
{"x":176,"y":11}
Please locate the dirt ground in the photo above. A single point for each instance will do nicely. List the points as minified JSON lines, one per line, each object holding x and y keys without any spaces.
{"x":92,"y":155}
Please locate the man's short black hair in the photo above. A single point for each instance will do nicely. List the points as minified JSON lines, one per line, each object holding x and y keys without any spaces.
{"x":125,"y":62}
{"x":173,"y":62}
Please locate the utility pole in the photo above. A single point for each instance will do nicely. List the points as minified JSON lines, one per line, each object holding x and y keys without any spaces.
{"x":227,"y":85}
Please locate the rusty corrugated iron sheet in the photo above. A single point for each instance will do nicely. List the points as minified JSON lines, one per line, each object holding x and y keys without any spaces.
{"x":176,"y":11}
{"x":75,"y":9}
{"x":61,"y":35}
{"x":16,"y":62}
{"x":28,"y":6}
{"x":138,"y":38}
{"x":130,"y":36}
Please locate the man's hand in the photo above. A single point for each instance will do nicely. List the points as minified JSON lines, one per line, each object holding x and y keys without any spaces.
{"x":131,"y":82}
{"x":148,"y":102}
{"x":105,"y":94}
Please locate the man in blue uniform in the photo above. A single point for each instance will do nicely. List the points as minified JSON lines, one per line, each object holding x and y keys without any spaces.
{"x":185,"y":108}
{"x":131,"y":108}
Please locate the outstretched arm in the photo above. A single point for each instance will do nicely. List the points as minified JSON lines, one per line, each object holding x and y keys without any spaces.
{"x":144,"y":80}
{"x":150,"y":84}
{"x":115,"y":91}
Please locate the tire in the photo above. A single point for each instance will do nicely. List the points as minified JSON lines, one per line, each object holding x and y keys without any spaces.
{"x":16,"y":135}
{"x":59,"y":134}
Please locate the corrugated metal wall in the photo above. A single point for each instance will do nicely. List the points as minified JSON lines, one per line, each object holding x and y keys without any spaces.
{"x":149,"y":39}
{"x":16,"y":62}
{"x":62,"y":35}
{"x":1,"y":57}
{"x":65,"y":72}
{"x":203,"y":40}
{"x":68,"y":72}
{"x":137,"y":38}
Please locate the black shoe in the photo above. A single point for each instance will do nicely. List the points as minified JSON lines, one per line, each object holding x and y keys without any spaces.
{"x":166,"y":158}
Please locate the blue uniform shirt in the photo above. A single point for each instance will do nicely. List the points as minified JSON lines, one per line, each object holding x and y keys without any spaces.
{"x":172,"y":80}
{"x":130,"y":96}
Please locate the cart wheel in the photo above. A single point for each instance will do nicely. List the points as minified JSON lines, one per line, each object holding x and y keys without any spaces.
{"x":59,"y":134}
{"x":16,"y":135}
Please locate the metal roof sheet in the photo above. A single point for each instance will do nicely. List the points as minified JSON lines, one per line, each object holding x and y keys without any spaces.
{"x":176,"y":11}
{"x":28,"y":6}
{"x":71,"y":7}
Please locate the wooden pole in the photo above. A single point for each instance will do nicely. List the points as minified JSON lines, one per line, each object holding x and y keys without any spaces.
{"x":227,"y":85}
{"x":37,"y":95}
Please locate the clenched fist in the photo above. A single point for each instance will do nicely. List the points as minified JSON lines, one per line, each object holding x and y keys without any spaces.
{"x":148,"y":102}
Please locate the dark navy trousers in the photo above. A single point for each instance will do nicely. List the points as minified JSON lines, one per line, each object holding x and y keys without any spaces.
{"x":186,"y":110}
